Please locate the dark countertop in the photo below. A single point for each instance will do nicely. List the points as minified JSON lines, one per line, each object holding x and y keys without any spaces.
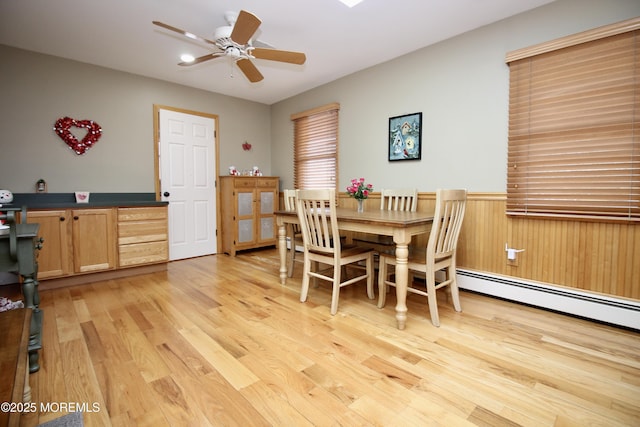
{"x":68,"y":200}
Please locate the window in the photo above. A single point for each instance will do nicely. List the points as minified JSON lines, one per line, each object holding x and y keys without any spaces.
{"x":315,"y":147}
{"x":574,"y":126}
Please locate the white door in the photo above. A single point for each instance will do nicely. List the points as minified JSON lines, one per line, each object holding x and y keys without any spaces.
{"x":187,"y":179}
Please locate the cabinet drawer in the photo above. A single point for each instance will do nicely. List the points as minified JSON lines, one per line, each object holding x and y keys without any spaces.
{"x":244,"y":182}
{"x":141,"y":214}
{"x":267,"y":182}
{"x":142,"y":231}
{"x":142,"y":253}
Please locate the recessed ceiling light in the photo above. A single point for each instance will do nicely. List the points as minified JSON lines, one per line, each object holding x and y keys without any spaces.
{"x":350,"y":3}
{"x":187,"y":58}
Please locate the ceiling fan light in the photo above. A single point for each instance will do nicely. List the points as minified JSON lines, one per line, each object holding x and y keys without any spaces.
{"x":350,"y":3}
{"x":187,"y":58}
{"x":222,"y":33}
{"x":234,"y":52}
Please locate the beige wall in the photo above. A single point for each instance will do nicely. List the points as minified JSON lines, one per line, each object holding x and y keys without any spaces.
{"x":38,"y":89}
{"x":461,"y":87}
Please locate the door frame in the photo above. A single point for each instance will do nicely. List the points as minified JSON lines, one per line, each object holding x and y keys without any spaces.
{"x":156,"y":156}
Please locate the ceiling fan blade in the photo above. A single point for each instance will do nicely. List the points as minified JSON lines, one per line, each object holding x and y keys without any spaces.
{"x":183,"y":32}
{"x":279,"y":55}
{"x":249,"y":70}
{"x":246,"y":25}
{"x":203,"y":58}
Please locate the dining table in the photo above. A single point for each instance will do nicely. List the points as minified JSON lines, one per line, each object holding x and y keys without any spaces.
{"x":401,"y":225}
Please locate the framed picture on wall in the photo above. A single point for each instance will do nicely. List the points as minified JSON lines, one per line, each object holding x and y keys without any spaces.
{"x":405,"y":137}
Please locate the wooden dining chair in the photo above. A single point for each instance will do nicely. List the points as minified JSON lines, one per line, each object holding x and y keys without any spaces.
{"x":294,"y":234}
{"x":322,"y":245}
{"x":440,"y":254}
{"x":399,"y":199}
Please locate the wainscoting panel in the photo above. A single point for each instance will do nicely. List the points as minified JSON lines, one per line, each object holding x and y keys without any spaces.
{"x":591,"y":256}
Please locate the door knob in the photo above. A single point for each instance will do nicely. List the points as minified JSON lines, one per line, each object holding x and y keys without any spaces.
{"x":166,"y":194}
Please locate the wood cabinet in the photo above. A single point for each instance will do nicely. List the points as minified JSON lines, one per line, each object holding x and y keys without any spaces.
{"x":75,"y":241}
{"x":55,"y":257}
{"x":142,"y":236}
{"x":247,"y":212}
{"x":94,"y":244}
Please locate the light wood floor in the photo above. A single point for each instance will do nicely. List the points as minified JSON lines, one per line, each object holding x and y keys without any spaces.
{"x":218,"y":341}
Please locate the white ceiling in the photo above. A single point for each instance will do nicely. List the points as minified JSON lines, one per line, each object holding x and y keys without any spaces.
{"x":336,"y":39}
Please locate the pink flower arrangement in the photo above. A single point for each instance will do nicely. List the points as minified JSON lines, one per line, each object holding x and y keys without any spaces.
{"x":358,"y":189}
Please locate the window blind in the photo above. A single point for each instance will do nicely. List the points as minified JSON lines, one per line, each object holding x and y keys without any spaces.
{"x":574,"y":134}
{"x":315,"y":153}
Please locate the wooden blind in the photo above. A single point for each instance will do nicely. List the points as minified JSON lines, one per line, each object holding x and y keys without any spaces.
{"x":574,"y":134}
{"x":315,"y":152}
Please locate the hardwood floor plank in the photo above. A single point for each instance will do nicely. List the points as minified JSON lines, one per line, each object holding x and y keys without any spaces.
{"x":403,"y":377}
{"x":123,"y":388}
{"x":218,"y":341}
{"x":273,"y":405}
{"x":289,"y":384}
{"x":66,"y":319}
{"x":228,"y":366}
{"x":112,"y":348}
{"x":211,"y":394}
{"x":143,"y":353}
{"x":434,"y":401}
{"x":372,"y":409}
{"x":224,"y":405}
{"x":483,"y":417}
{"x":174,"y":404}
{"x":583,"y":409}
{"x":82,"y":387}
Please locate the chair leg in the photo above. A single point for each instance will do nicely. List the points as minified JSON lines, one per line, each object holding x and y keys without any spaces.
{"x":455,"y":293}
{"x":335,"y":294}
{"x":304,"y":289}
{"x":291,"y":258}
{"x":382,"y":282}
{"x":370,"y":277}
{"x":431,"y":298}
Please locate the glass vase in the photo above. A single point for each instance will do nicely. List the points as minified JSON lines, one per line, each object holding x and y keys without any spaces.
{"x":360,"y":205}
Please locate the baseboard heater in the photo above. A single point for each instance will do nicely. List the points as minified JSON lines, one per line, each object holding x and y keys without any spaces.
{"x":603,"y":308}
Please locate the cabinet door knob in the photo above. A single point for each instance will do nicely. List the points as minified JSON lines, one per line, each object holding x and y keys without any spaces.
{"x":62,"y":218}
{"x":75,"y":217}
{"x":166,"y":194}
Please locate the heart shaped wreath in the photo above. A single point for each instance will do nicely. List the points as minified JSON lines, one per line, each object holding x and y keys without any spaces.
{"x":94,"y":132}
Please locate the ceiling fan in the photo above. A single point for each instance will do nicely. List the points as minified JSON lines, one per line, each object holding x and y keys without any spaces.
{"x":234,"y":41}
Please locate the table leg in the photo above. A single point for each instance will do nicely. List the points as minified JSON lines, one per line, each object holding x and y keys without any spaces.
{"x":402,"y":274}
{"x":282,"y":248}
{"x":32,"y":300}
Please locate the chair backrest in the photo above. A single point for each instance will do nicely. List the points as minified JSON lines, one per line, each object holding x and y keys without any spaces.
{"x":317,"y":217}
{"x":447,"y":222}
{"x":289,"y":200}
{"x":402,"y":199}
{"x":290,"y":205}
